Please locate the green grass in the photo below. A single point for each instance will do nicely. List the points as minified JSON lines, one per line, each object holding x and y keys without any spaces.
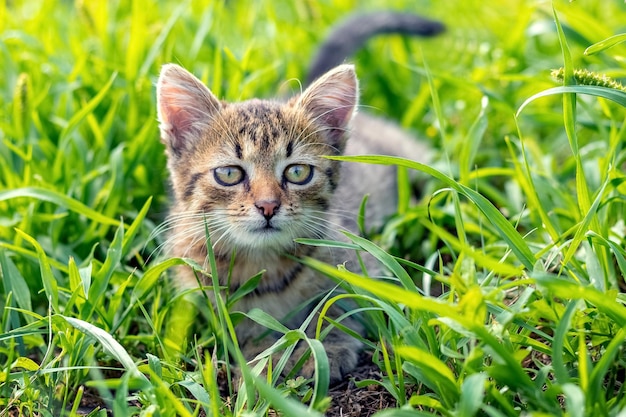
{"x":521,"y":216}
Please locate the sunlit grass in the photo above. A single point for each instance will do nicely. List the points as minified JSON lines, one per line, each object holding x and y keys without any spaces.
{"x":520,"y":217}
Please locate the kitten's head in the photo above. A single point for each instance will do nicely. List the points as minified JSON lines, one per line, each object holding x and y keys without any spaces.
{"x":252,"y":173}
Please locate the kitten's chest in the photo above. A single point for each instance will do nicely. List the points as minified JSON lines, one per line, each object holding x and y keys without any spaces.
{"x":283,"y":285}
{"x":278,"y":275}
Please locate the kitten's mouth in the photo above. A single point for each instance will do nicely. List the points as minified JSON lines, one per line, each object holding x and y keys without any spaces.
{"x":265,"y":229}
{"x":268,"y":228}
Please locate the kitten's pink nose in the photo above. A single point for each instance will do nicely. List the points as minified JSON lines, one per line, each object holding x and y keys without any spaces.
{"x":267,"y":208}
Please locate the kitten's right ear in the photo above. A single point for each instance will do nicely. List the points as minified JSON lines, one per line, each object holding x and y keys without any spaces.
{"x":185,"y":107}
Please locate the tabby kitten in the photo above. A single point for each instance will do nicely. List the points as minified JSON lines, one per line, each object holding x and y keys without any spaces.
{"x":254,"y":175}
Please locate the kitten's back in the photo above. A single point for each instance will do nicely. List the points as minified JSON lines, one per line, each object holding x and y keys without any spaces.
{"x":371,"y":135}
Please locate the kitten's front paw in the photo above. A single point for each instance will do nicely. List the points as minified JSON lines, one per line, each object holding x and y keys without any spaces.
{"x":343,"y":356}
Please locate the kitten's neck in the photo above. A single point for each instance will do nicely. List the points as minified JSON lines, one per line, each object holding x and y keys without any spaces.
{"x":279,"y":269}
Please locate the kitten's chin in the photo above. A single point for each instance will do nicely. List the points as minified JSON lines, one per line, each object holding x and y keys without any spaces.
{"x":257,"y":242}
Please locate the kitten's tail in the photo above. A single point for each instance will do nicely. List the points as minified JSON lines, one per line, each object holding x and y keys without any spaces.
{"x":352,"y":33}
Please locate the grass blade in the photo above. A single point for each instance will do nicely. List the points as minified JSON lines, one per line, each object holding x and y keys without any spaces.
{"x":14,"y":282}
{"x":132,"y":230}
{"x":383,"y":289}
{"x":147,"y":282}
{"x":598,"y":374}
{"x":434,"y":372}
{"x":502,"y":225}
{"x":86,"y":109}
{"x":288,"y":406}
{"x":472,"y":394}
{"x":103,"y":275}
{"x":58,"y":199}
{"x":47,"y":277}
{"x":474,"y":139}
{"x":605,"y":301}
{"x":385,"y":259}
{"x":560,"y":343}
{"x":587,"y":222}
{"x":605,"y":44}
{"x":612,"y":94}
{"x":108,"y":343}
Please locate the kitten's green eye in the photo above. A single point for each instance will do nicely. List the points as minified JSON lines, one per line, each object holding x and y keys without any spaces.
{"x":228,"y":175}
{"x":298,"y":173}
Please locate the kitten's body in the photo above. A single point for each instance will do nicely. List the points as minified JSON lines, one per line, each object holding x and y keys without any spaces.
{"x":253,"y":174}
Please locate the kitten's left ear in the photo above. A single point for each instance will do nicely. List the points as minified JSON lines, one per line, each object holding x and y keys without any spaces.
{"x":185,"y":107}
{"x":331,"y":101}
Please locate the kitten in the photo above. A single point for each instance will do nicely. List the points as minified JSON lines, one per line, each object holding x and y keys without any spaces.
{"x":254,"y":175}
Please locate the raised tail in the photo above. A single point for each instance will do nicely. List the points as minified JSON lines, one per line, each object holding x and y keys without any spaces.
{"x":352,"y":33}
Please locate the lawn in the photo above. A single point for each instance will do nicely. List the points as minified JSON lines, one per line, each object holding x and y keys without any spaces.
{"x":506,"y":271}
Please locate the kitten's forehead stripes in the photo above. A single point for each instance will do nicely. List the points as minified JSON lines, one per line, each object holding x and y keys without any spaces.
{"x":262,"y":126}
{"x":261,"y":122}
